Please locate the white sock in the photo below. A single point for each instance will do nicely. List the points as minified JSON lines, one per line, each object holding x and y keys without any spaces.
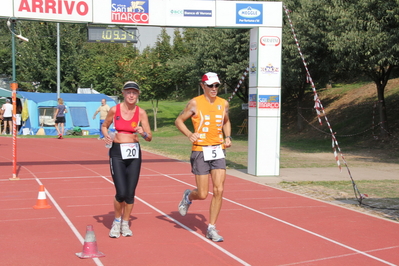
{"x":118,"y":220}
{"x":125,"y":222}
{"x":211,"y":226}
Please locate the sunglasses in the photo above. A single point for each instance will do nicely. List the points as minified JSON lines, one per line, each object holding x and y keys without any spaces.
{"x":212,"y":85}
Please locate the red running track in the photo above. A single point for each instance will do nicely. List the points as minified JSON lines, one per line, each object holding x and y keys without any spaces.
{"x":261,"y":225}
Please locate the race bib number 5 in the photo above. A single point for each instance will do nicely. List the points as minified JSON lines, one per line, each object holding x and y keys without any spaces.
{"x":129,"y":150}
{"x":212,"y":152}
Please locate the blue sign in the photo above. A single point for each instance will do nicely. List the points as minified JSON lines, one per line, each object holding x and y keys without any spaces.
{"x":249,"y":14}
{"x":197,"y":13}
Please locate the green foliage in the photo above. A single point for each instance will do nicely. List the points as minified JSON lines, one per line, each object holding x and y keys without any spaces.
{"x":37,"y":60}
{"x":107,"y":73}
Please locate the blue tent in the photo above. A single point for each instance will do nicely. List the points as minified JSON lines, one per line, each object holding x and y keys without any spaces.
{"x":81,"y":108}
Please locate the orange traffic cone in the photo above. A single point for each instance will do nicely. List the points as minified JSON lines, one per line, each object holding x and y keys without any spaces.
{"x":41,"y":202}
{"x":90,"y":246}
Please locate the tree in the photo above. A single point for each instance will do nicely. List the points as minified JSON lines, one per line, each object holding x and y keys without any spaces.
{"x":224,"y":51}
{"x":38,"y":58}
{"x":107,"y":66}
{"x":5,"y":49}
{"x":308,"y":18}
{"x":159,"y":83}
{"x":364,"y":36}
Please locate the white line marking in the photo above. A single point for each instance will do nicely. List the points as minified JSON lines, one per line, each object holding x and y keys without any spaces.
{"x":297,"y":227}
{"x":65,"y":217}
{"x":191,"y":231}
{"x":27,"y":219}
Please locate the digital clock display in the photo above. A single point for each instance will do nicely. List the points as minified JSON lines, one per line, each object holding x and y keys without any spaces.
{"x":112,"y":34}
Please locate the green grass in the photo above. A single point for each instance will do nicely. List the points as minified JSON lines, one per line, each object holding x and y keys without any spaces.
{"x":388,"y":189}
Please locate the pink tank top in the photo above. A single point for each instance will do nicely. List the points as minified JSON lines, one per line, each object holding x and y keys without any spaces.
{"x":126,"y":126}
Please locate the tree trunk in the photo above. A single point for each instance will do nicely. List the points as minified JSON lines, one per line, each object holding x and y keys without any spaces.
{"x":381,"y":79}
{"x":155,"y":111}
{"x":299,"y":119}
{"x":382,"y":111}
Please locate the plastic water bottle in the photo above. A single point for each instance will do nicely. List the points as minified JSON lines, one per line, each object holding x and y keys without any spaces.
{"x":112,"y":135}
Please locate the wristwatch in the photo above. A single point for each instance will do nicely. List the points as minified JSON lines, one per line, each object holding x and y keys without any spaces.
{"x":228,"y":137}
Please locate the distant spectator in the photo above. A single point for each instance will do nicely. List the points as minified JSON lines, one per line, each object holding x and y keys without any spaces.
{"x":103,"y":110}
{"x":7,"y":116}
{"x":59,"y":117}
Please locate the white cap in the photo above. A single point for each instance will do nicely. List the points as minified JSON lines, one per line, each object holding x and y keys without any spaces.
{"x":210,"y":78}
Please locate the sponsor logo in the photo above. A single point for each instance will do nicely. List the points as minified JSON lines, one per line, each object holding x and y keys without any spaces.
{"x":270,"y":41}
{"x":80,"y":8}
{"x":205,"y":129}
{"x":190,"y":13}
{"x":252,"y":100}
{"x":178,"y":13}
{"x":253,"y":46}
{"x":270,"y":69}
{"x":269,"y":101}
{"x":197,"y":13}
{"x":207,"y":117}
{"x":127,"y":11}
{"x":249,"y":13}
{"x":252,"y":69}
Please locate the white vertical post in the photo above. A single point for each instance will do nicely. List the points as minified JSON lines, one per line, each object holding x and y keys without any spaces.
{"x":264,"y":102}
{"x":58,"y":62}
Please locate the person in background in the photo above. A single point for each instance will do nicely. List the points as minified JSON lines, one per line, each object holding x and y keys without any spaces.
{"x":7,"y":109}
{"x":59,"y":117}
{"x":125,"y":154}
{"x":103,"y":110}
{"x":210,"y":117}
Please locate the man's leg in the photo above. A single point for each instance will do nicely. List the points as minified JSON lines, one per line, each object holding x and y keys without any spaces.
{"x":10,"y":127}
{"x":101,"y":133}
{"x":201,"y":192}
{"x":218,"y":177}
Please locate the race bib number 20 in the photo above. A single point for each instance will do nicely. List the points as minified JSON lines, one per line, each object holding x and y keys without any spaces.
{"x":212,"y":152}
{"x":129,"y":150}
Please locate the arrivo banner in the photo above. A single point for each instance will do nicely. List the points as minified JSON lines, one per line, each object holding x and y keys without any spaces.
{"x":60,"y":10}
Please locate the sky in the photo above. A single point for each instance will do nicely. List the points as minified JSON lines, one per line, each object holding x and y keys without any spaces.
{"x":148,"y":36}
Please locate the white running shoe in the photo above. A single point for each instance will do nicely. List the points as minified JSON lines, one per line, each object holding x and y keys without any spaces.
{"x":126,"y":230}
{"x":212,"y":233}
{"x":184,"y":203}
{"x":115,"y":230}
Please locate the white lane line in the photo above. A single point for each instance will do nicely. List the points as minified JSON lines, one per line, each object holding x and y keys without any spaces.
{"x":64,"y":216}
{"x":295,"y":226}
{"x":335,"y":257}
{"x":190,"y":230}
{"x":27,"y":219}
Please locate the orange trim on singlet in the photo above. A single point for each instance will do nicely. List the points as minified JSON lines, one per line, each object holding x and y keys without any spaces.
{"x":126,"y":126}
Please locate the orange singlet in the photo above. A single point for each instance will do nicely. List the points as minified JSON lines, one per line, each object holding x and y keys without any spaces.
{"x":208,"y":122}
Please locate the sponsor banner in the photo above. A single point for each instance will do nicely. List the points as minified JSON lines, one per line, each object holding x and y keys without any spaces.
{"x":173,"y":13}
{"x":130,"y":12}
{"x":252,"y":101}
{"x":269,"y":57}
{"x":54,"y":10}
{"x":253,"y":57}
{"x":6,"y":8}
{"x":269,"y":101}
{"x":248,"y":14}
{"x":190,"y":13}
